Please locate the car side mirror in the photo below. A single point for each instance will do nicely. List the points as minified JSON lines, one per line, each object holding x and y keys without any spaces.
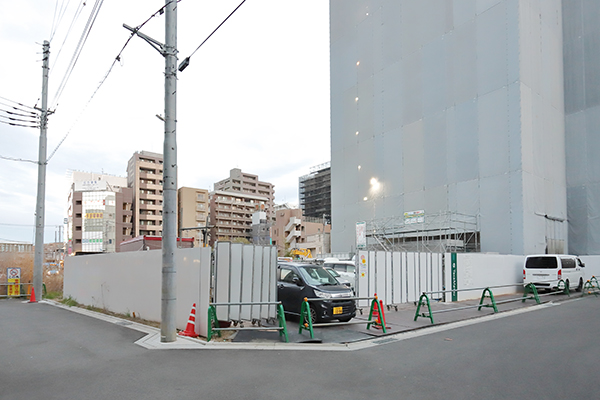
{"x":297,"y":281}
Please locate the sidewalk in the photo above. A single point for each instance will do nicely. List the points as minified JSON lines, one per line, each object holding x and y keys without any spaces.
{"x":399,"y":318}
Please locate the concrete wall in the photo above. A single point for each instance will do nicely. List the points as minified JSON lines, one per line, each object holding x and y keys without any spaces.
{"x":476,"y":270}
{"x":131,"y":282}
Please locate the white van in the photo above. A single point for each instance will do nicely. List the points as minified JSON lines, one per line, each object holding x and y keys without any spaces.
{"x":546,"y":270}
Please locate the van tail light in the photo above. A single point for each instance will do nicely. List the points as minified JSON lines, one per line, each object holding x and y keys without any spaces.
{"x":559,"y":274}
{"x":524,"y":274}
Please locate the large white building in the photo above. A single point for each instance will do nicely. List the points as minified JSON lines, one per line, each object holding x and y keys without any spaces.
{"x":448,"y":122}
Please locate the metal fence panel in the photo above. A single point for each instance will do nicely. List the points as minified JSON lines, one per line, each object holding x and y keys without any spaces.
{"x":221,"y":289}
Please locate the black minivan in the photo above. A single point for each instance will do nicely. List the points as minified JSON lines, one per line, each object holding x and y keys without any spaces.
{"x":295,"y":281}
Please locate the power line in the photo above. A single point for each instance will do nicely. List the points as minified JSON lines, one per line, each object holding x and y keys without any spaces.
{"x":18,"y":159}
{"x":17,"y":119}
{"x":186,"y":61}
{"x":82,"y":40}
{"x":75,"y":17}
{"x":23,"y":106}
{"x":20,"y":114}
{"x":160,"y":11}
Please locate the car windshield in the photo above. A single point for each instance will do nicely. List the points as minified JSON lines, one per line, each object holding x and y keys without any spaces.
{"x":316,"y":275}
{"x":333,"y":272}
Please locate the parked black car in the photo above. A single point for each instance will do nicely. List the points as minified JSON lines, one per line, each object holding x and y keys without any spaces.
{"x":295,"y":281}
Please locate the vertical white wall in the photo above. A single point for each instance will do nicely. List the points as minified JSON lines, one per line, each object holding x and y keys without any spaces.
{"x":131,"y":282}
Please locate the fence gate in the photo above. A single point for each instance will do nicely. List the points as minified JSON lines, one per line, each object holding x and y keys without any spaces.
{"x":245,"y":273}
{"x":398,"y":277}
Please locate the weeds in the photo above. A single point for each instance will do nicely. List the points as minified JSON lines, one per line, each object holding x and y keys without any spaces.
{"x":69,"y":301}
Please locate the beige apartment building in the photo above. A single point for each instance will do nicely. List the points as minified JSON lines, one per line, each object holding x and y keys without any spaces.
{"x":192,"y":206}
{"x":231,"y":214}
{"x":145,"y":177}
{"x":245,"y":183}
{"x":292,"y":230}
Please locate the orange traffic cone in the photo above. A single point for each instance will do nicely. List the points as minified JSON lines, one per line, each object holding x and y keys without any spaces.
{"x":190,"y":329}
{"x":32,"y":297}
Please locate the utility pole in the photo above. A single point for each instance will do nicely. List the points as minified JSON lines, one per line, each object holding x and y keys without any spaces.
{"x":169,"y":240}
{"x":41,"y":190}
{"x":168,"y":329}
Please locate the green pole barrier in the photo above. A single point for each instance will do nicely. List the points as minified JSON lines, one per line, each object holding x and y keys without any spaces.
{"x":212,"y":323}
{"x":594,"y":279}
{"x":530,"y":288}
{"x":44,"y":288}
{"x":565,"y":289}
{"x":588,"y":288}
{"x":305,"y":320}
{"x":374,"y":304}
{"x":491,"y":296}
{"x":430,"y":316}
{"x":282,"y":324}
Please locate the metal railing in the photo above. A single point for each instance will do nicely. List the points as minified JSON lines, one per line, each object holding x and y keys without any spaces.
{"x":530,"y":293}
{"x":306,"y":323}
{"x":214,"y":324}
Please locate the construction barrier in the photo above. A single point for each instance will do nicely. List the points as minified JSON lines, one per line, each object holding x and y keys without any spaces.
{"x":376,"y":315}
{"x":530,"y":293}
{"x":591,"y":287}
{"x":214,"y":326}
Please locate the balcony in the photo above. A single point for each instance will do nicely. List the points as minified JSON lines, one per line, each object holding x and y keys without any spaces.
{"x":293,"y":236}
{"x":293,"y":223}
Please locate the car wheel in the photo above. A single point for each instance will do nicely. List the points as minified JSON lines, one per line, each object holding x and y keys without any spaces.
{"x":580,"y":285}
{"x":314,"y":318}
{"x":346,"y":319}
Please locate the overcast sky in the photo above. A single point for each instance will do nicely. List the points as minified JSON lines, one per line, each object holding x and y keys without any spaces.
{"x":255,"y":96}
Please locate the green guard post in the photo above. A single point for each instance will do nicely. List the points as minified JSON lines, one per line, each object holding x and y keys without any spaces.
{"x":282,"y":324}
{"x":374,"y":304}
{"x":423,"y":303}
{"x":565,"y":288}
{"x":588,"y":288}
{"x":530,"y":288}
{"x":305,"y":320}
{"x":491,"y":296}
{"x":592,"y":282}
{"x":212,"y":323}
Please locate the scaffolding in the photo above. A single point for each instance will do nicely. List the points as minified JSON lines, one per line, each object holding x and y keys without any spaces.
{"x":431,"y":233}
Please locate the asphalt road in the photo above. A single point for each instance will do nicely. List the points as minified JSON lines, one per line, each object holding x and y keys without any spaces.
{"x":551,"y":353}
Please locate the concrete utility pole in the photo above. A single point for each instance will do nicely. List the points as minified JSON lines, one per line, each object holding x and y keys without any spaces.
{"x":41,"y":190}
{"x":169,"y":240}
{"x":168,"y":329}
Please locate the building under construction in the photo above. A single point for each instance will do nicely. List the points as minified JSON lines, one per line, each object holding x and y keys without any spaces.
{"x":315,"y":193}
{"x":487,"y":109}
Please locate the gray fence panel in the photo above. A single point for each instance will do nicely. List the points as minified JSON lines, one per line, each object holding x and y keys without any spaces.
{"x":235,"y":281}
{"x":247,"y":276}
{"x":257,"y":279}
{"x":221,"y":293}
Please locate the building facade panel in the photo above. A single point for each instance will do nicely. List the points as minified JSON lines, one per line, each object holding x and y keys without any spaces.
{"x":470,"y":89}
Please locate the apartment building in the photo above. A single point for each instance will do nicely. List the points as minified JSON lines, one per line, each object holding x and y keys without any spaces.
{"x":99,"y":214}
{"x":145,"y":178}
{"x":231,"y":214}
{"x":243,"y":182}
{"x":292,"y":230}
{"x":192,"y":206}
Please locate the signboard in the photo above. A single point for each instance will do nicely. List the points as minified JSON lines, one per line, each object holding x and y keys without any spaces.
{"x":414,"y":217}
{"x":361,"y":235}
{"x":14,"y":281}
{"x":454,"y":276}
